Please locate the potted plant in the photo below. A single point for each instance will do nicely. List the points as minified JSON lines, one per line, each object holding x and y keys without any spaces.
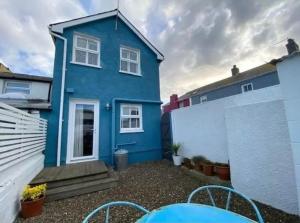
{"x":32,"y":200}
{"x":208,"y":167}
{"x":198,"y":160}
{"x":176,"y":158}
{"x":223,"y":171}
{"x":187,"y":163}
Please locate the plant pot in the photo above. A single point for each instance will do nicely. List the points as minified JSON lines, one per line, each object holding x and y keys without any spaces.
{"x":223,"y":172}
{"x":208,"y":169}
{"x":32,"y":208}
{"x":177,"y":160}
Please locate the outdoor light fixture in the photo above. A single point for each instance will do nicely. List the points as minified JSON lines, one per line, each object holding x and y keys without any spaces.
{"x":108,"y":106}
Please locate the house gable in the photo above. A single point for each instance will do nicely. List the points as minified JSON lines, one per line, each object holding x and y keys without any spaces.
{"x":59,"y":27}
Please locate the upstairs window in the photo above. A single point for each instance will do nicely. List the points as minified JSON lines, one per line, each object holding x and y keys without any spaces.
{"x":203,"y":99}
{"x":247,"y":87}
{"x":86,"y":51}
{"x":131,"y":118}
{"x":17,"y":87}
{"x":130,"y":61}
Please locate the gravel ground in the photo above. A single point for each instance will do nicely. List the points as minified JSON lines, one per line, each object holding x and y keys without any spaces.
{"x":151,"y":185}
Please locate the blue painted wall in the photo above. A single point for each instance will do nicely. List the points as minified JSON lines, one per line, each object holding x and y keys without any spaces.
{"x":266,"y":80}
{"x":104,"y":84}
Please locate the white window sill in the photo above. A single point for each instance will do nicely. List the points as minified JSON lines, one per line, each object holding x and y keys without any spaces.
{"x":125,"y":72}
{"x":87,"y":65}
{"x":131,"y":130}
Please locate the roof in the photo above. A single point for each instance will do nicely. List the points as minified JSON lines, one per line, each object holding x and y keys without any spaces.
{"x":59,"y":27}
{"x":17,"y":76}
{"x":246,"y":75}
{"x":275,"y":61}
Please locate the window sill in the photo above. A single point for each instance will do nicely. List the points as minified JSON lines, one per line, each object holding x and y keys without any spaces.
{"x":135,"y":74}
{"x":87,"y":65}
{"x":132,"y":131}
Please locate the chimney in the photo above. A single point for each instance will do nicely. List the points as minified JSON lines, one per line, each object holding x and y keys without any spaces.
{"x":292,"y":46}
{"x":234,"y":70}
{"x":173,"y":98}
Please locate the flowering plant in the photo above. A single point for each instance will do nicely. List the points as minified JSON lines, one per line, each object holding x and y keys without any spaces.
{"x":34,"y":193}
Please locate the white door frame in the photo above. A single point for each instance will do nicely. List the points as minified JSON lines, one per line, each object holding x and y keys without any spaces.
{"x":71,"y":125}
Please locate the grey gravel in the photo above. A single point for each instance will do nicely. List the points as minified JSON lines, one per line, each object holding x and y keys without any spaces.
{"x":151,"y":185}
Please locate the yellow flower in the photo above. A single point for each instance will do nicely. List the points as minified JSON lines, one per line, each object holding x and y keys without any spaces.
{"x":33,"y":193}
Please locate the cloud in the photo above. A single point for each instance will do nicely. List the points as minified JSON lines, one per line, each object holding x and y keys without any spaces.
{"x":200,"y":39}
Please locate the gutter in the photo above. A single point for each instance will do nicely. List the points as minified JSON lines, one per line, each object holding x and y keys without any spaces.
{"x":113,"y":120}
{"x":61,"y":108}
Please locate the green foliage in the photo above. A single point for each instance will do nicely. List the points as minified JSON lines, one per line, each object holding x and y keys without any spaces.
{"x":175,"y":148}
{"x":199,"y":159}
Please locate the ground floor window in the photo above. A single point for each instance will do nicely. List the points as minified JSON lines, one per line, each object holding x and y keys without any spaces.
{"x":131,"y":118}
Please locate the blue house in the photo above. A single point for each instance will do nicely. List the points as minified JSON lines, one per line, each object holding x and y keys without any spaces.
{"x":105,"y":93}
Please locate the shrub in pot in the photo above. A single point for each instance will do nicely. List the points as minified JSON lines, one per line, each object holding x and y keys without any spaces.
{"x":208,"y":168}
{"x":198,"y":161}
{"x":176,"y":158}
{"x":223,"y":171}
{"x":187,"y":163}
{"x":32,"y":200}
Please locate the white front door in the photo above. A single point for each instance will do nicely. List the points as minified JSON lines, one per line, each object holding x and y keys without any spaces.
{"x":83,"y":130}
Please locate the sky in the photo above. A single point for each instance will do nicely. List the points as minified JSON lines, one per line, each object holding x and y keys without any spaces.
{"x":201,"y":40}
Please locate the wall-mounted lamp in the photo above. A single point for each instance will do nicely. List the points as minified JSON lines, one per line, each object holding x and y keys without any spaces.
{"x":108,"y":106}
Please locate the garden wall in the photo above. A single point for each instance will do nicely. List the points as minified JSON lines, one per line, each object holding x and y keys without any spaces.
{"x":250,"y":130}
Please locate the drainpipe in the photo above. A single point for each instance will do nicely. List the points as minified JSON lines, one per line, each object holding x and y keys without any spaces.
{"x":61,"y":108}
{"x":113,"y":120}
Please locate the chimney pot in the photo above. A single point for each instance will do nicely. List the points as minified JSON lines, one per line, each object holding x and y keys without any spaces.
{"x":292,"y":46}
{"x":235,"y":70}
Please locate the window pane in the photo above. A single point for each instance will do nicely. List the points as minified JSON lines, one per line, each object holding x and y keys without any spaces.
{"x":93,"y":59}
{"x":125,"y":123}
{"x":135,"y":123}
{"x":125,"y":53}
{"x":133,"y":68}
{"x":133,"y":55}
{"x":17,"y":84}
{"x":81,"y":42}
{"x":249,"y":87}
{"x":93,"y":45}
{"x":80,"y":56}
{"x":17,"y":90}
{"x":124,"y":65}
{"x":125,"y":110}
{"x":134,"y":111}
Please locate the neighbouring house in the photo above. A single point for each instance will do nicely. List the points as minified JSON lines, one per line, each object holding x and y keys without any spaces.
{"x":175,"y":103}
{"x":105,"y":93}
{"x":240,"y":82}
{"x":24,"y":91}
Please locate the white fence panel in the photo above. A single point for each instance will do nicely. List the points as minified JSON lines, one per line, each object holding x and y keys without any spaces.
{"x":22,"y":141}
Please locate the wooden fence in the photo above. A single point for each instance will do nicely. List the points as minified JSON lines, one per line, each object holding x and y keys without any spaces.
{"x":22,"y":135}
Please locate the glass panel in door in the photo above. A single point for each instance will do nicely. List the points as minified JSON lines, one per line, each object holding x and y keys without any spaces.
{"x":83,"y":130}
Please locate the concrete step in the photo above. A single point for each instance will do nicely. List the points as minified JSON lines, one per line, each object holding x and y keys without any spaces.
{"x":80,"y":188}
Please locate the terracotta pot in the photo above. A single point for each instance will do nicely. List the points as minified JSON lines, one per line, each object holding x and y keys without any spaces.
{"x":32,"y":208}
{"x":223,"y":172}
{"x":208,"y":169}
{"x":198,"y":166}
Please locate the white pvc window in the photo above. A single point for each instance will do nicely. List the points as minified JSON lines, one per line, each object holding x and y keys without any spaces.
{"x":247,"y":87}
{"x":130,"y":61}
{"x":17,"y":87}
{"x":86,"y":51}
{"x":131,"y":118}
{"x":203,"y":99}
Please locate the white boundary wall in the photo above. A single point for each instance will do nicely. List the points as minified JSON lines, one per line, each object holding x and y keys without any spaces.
{"x":22,"y":141}
{"x":258,"y":138}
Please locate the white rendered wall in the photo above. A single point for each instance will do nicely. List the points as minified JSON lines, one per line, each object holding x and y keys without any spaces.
{"x":13,"y":181}
{"x":289,"y":76}
{"x":261,"y":159}
{"x":201,"y":128}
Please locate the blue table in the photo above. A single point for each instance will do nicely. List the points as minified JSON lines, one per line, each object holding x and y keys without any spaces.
{"x":191,"y":212}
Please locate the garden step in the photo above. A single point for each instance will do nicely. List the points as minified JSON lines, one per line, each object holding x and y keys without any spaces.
{"x":80,"y":188}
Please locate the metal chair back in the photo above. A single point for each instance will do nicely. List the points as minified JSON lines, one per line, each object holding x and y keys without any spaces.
{"x":230,"y":191}
{"x":111,"y":204}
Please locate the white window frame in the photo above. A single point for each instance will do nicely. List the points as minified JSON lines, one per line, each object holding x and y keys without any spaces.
{"x":203,"y":99}
{"x":75,"y":47}
{"x":244,"y":85}
{"x":138,"y":62}
{"x":19,"y":88}
{"x":140,"y":116}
